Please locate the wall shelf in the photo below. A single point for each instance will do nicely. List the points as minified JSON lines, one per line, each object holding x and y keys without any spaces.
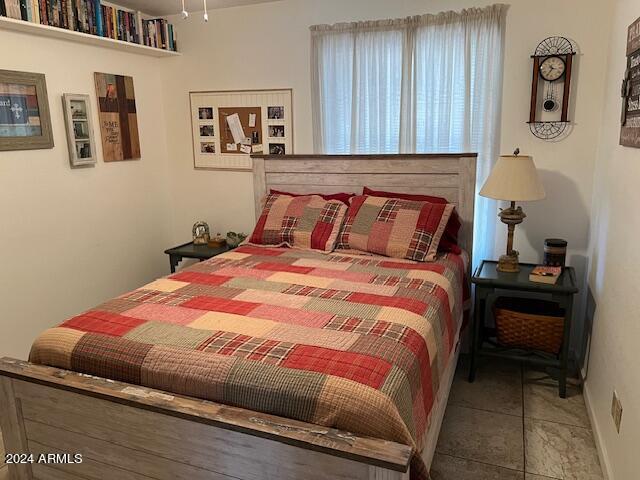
{"x":7,"y":23}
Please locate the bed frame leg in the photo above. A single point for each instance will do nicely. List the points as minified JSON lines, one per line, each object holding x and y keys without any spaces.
{"x":13,"y":433}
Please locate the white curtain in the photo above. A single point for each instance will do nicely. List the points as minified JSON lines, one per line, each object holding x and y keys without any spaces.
{"x":424,"y":84}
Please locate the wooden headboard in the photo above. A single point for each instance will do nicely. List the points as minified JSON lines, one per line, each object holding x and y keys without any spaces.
{"x":452,"y":176}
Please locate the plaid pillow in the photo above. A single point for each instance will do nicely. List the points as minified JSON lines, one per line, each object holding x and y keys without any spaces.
{"x":303,"y":222}
{"x":394,"y":227}
{"x":449,"y":240}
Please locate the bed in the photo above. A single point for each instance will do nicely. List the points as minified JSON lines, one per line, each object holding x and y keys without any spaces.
{"x":140,"y":395}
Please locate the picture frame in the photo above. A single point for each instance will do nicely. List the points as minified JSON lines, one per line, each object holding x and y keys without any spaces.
{"x":25,"y":121}
{"x":79,"y":123}
{"x":229,"y":126}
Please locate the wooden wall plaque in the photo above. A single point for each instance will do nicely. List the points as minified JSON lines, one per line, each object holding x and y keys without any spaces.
{"x":630,"y":121}
{"x":118,"y":117}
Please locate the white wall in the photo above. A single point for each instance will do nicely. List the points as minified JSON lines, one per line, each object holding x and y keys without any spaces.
{"x":267,"y":46}
{"x":614,"y":278}
{"x":70,"y":239}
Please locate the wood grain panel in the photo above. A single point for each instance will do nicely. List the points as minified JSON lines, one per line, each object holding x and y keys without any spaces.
{"x":259,"y":185}
{"x":46,"y":472}
{"x":13,"y":431}
{"x":113,"y":455}
{"x":323,"y":189}
{"x":450,"y":193}
{"x":374,"y":165}
{"x":390,"y":180}
{"x":332,"y":442}
{"x":195,"y":445}
{"x":376,"y":473}
{"x":466,"y":202}
{"x":89,"y":469}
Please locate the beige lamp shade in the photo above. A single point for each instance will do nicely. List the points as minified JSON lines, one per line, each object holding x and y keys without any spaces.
{"x":514,"y":178}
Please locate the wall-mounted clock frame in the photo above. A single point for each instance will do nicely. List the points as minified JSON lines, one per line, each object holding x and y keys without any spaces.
{"x":552,"y":63}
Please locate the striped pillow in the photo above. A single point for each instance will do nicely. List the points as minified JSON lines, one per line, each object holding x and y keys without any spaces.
{"x":308,"y":222}
{"x":394,"y":227}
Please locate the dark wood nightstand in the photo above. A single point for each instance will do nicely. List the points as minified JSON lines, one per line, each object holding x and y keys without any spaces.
{"x":488,"y":281}
{"x":189,"y":250}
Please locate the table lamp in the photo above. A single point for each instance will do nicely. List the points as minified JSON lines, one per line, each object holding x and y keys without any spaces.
{"x":514,"y":178}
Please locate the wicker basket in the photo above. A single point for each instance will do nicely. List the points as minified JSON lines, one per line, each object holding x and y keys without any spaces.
{"x":529,"y":323}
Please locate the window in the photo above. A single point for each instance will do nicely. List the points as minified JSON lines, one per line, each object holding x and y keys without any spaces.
{"x":425,"y":84}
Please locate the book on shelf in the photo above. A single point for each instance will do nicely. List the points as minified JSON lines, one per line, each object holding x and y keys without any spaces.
{"x":94,"y":17}
{"x":12,"y":9}
{"x":544,"y":274}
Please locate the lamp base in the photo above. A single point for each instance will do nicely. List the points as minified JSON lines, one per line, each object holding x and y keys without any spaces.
{"x":509,"y":263}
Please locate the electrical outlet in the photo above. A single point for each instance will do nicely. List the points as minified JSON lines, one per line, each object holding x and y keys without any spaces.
{"x":616,"y":410}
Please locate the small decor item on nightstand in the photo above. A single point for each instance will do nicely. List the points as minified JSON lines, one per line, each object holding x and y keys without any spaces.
{"x":201,"y":233}
{"x":218,"y":241}
{"x":555,"y":252}
{"x":513,"y":178}
{"x":544,"y":274}
{"x":234,"y":239}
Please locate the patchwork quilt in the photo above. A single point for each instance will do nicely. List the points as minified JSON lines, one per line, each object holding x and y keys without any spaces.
{"x":354,"y":342}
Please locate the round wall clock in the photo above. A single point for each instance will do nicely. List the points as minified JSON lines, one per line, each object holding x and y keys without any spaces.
{"x":550,"y":90}
{"x":552,"y":68}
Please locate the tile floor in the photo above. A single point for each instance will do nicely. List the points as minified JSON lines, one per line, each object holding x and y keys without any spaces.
{"x":510,"y":424}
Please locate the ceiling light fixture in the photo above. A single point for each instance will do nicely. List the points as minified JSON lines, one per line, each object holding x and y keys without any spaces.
{"x":206,"y":15}
{"x":185,"y":14}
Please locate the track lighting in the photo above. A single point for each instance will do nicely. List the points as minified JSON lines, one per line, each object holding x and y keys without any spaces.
{"x":185,"y":14}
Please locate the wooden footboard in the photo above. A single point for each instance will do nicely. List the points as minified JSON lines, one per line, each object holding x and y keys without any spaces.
{"x":128,"y":432}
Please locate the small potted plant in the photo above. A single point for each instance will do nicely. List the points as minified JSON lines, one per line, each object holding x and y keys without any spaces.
{"x":234,"y":239}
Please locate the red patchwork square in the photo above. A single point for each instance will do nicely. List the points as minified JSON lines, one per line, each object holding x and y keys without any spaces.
{"x":320,"y":235}
{"x":200,"y":278}
{"x":260,"y":251}
{"x":410,"y":304}
{"x":430,"y":267}
{"x":106,"y":323}
{"x":360,"y":368}
{"x":379,"y":236}
{"x":414,"y":342}
{"x":282,"y":267}
{"x":216,"y":304}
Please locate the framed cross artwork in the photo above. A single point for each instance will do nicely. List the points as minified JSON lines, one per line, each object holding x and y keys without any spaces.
{"x":25,"y":123}
{"x":118,"y":117}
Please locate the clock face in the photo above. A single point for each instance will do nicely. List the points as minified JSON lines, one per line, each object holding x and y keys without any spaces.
{"x":552,"y":68}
